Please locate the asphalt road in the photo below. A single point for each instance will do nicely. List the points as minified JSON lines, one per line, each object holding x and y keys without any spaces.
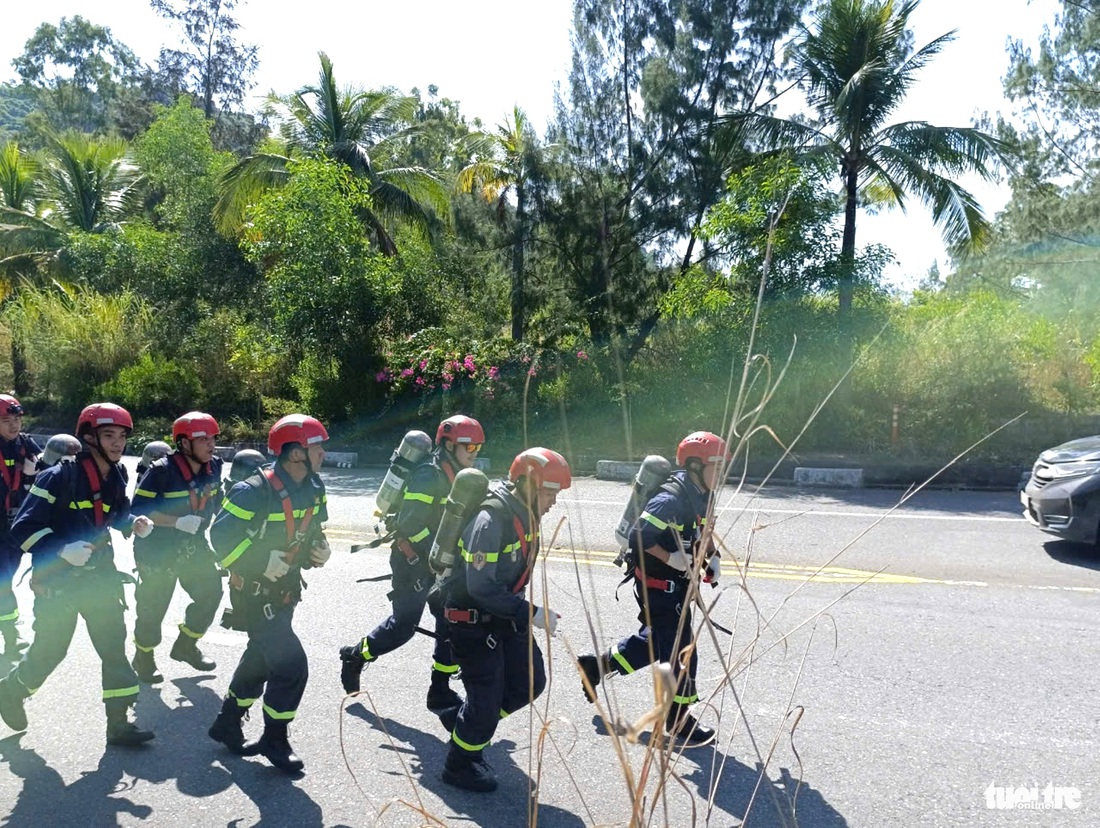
{"x":888,"y":668}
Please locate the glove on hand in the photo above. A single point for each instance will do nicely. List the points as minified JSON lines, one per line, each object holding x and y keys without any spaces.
{"x":77,"y":552}
{"x":189,"y":523}
{"x":320,"y":553}
{"x":545,"y":620}
{"x":679,"y":560}
{"x":277,"y":567}
{"x":714,"y":571}
{"x":143,"y":527}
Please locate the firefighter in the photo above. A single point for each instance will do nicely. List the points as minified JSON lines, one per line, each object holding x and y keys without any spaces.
{"x":58,"y":448}
{"x":64,"y":524}
{"x":267,"y":532}
{"x":152,"y":452}
{"x":458,"y":440}
{"x":664,"y":543}
{"x":246,"y":463}
{"x":180,"y":493}
{"x":19,"y":454}
{"x":490,"y":619}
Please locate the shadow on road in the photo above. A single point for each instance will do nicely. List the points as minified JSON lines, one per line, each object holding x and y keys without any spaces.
{"x":734,"y":785}
{"x":1075,"y":554}
{"x":424,"y":758}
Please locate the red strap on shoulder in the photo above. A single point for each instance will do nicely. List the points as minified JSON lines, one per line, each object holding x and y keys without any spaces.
{"x":91,"y":472}
{"x":528,"y":558}
{"x":294,"y":534}
{"x":15,"y":479}
{"x":197,"y":504}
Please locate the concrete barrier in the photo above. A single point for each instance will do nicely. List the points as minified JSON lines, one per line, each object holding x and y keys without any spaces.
{"x":342,"y":459}
{"x":829,"y":478}
{"x":616,"y":469}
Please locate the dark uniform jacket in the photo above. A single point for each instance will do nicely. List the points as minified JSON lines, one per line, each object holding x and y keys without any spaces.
{"x":679,"y":505}
{"x":164,"y":488}
{"x":497,"y":550}
{"x":19,"y":455}
{"x":61,"y":508}
{"x":422,"y":505}
{"x":252,"y":523}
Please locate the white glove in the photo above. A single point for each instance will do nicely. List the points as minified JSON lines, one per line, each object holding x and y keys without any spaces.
{"x":714,"y":571}
{"x":320,"y":553}
{"x":143,"y":526}
{"x":189,"y":523}
{"x":545,"y":620}
{"x":679,"y":560}
{"x":77,"y":552}
{"x":276,"y":566}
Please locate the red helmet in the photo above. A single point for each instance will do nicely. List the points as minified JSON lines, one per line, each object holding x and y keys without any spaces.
{"x":460,"y":429}
{"x":705,"y":447}
{"x":103,"y":414}
{"x":9,"y":406}
{"x":545,"y":467}
{"x":295,"y":428}
{"x":195,"y":424}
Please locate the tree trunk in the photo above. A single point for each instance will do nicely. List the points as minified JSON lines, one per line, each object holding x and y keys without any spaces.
{"x":517,"y":263}
{"x":846,"y":282}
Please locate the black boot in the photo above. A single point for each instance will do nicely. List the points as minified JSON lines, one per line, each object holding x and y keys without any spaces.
{"x":593,"y":668}
{"x":186,"y":649}
{"x":684,"y":729}
{"x":440,"y":695}
{"x":13,"y":644}
{"x":145,"y":665}
{"x":274,"y":745}
{"x":352,"y":661}
{"x":227,"y":726}
{"x":121,"y":731}
{"x":12,"y":694}
{"x":468,"y":771}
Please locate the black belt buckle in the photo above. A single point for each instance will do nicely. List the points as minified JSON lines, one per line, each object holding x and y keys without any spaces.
{"x":414,"y":560}
{"x":670,"y":587}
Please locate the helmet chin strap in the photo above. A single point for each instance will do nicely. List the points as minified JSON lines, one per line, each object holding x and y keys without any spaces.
{"x":96,"y":448}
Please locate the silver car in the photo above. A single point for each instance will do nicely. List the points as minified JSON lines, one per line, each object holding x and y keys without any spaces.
{"x":1063,"y":495}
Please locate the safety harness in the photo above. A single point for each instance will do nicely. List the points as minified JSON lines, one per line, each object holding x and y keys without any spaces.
{"x":13,"y":478}
{"x":198,"y":504}
{"x":473,"y":615}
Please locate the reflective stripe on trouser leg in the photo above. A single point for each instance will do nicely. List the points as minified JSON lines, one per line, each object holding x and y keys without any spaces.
{"x":483,"y":678}
{"x":273,"y":665}
{"x":400,"y":626}
{"x":101,"y":607}
{"x":199,"y":578}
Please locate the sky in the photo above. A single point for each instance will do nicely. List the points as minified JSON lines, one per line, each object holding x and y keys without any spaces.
{"x":492,"y":54}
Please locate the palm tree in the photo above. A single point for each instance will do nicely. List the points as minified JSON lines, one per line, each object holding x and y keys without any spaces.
{"x":857,"y":65}
{"x":360,"y":129}
{"x":87,"y":184}
{"x":504,"y":163}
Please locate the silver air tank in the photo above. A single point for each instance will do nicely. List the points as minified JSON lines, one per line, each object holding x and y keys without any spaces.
{"x":415,"y":446}
{"x":653,"y":472}
{"x":467,"y":493}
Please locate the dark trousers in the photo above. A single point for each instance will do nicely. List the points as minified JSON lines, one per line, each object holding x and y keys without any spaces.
{"x":95,"y":595}
{"x":274,"y":663}
{"x":408,"y":607}
{"x":199,"y":578}
{"x":656,"y":640}
{"x":10,"y":556}
{"x":502,"y":671}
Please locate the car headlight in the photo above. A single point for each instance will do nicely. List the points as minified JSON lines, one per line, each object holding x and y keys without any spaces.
{"x":1061,"y":471}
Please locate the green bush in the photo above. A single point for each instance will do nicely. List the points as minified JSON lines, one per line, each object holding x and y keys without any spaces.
{"x":155,"y":387}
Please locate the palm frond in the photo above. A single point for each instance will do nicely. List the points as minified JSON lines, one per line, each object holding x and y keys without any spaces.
{"x":243,"y":184}
{"x":952,"y":150}
{"x":955,"y":211}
